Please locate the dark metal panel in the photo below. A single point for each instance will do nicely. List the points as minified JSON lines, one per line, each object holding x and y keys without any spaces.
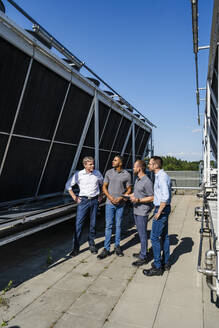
{"x":74,"y":116}
{"x":143,"y":144}
{"x":128,"y":164}
{"x":110,"y":131}
{"x":103,"y":114}
{"x":109,"y":164}
{"x":57,"y":169}
{"x":22,"y":168}
{"x":138,"y":140}
{"x":103,"y":157}
{"x":13,"y":69}
{"x":42,"y":103}
{"x":89,"y":140}
{"x":125,"y":159}
{"x":3,"y":143}
{"x":120,"y":140}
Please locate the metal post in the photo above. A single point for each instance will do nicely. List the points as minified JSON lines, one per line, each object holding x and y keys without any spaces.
{"x":53,"y":138}
{"x":96,"y":129}
{"x":83,"y":136}
{"x":126,"y":140}
{"x":152,"y":144}
{"x":16,"y":115}
{"x":204,"y":148}
{"x":146,"y":146}
{"x":133,"y":142}
{"x":208,"y":113}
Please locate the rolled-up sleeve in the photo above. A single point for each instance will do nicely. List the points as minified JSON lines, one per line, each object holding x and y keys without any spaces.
{"x":164,"y":189}
{"x":100,"y":178}
{"x":71,"y":182}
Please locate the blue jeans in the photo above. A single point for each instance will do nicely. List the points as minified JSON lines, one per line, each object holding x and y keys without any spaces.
{"x":141,"y":225}
{"x":160,"y":238}
{"x":111,"y":212}
{"x":85,"y":206}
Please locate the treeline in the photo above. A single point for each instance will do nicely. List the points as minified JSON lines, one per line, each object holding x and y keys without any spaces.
{"x":171,"y":163}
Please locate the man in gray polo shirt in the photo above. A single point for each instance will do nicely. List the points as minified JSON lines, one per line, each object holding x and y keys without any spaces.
{"x":142,"y":199}
{"x":117,"y":181}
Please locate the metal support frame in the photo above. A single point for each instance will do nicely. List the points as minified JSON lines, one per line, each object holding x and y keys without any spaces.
{"x":43,"y":33}
{"x":106,"y":121}
{"x":126,"y":140}
{"x":53,"y":138}
{"x":146,"y":146}
{"x":113,"y":144}
{"x":83,"y":136}
{"x":96,"y":129}
{"x":16,"y":114}
{"x":207,"y":131}
{"x":133,"y":142}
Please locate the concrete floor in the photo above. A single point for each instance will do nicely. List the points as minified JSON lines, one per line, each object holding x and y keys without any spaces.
{"x":85,"y":292}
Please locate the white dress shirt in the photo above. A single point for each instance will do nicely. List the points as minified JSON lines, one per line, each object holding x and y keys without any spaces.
{"x":89,"y":183}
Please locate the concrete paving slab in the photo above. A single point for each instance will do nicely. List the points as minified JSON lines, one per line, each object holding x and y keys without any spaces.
{"x":134,"y":312}
{"x":73,"y":321}
{"x":93,"y":305}
{"x":107,"y":286}
{"x":172,"y":315}
{"x":84,"y":292}
{"x":75,"y":282}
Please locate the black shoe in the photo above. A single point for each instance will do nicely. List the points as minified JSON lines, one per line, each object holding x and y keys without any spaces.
{"x":74,"y":252}
{"x":103,"y":254}
{"x":167,"y":266}
{"x":139,"y":262}
{"x":118,"y":251}
{"x":136,"y":255}
{"x":93,"y":249}
{"x":153,"y":272}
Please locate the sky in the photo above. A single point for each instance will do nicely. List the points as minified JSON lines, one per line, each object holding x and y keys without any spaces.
{"x":144,"y":50}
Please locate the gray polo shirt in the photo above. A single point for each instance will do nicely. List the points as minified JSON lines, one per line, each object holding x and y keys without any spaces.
{"x":143,"y":188}
{"x":117,"y":182}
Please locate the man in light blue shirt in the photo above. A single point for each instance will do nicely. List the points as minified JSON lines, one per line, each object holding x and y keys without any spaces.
{"x":159,"y":232}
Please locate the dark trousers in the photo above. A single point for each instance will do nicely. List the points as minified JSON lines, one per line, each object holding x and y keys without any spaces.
{"x":84,"y":207}
{"x":160,"y":238}
{"x":141,"y":225}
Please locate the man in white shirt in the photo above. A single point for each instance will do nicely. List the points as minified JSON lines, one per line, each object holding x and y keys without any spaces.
{"x":89,"y":181}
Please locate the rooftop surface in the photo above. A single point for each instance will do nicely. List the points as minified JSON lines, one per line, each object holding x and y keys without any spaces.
{"x":85,"y":292}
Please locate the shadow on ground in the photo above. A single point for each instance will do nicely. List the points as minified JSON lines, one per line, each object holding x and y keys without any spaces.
{"x":32,"y":255}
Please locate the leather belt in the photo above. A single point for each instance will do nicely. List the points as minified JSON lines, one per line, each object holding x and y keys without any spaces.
{"x":88,"y":197}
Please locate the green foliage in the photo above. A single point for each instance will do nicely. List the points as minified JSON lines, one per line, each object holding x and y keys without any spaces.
{"x":8,"y":287}
{"x":171,"y":163}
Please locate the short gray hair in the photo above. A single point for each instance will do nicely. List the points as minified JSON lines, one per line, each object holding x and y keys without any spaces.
{"x":87,"y":159}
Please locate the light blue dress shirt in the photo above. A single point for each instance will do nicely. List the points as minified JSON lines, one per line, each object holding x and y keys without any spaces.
{"x":162,"y":188}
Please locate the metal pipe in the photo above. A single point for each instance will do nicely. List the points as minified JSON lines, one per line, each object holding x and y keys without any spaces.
{"x":96,"y":130}
{"x":187,"y":188}
{"x":203,"y":47}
